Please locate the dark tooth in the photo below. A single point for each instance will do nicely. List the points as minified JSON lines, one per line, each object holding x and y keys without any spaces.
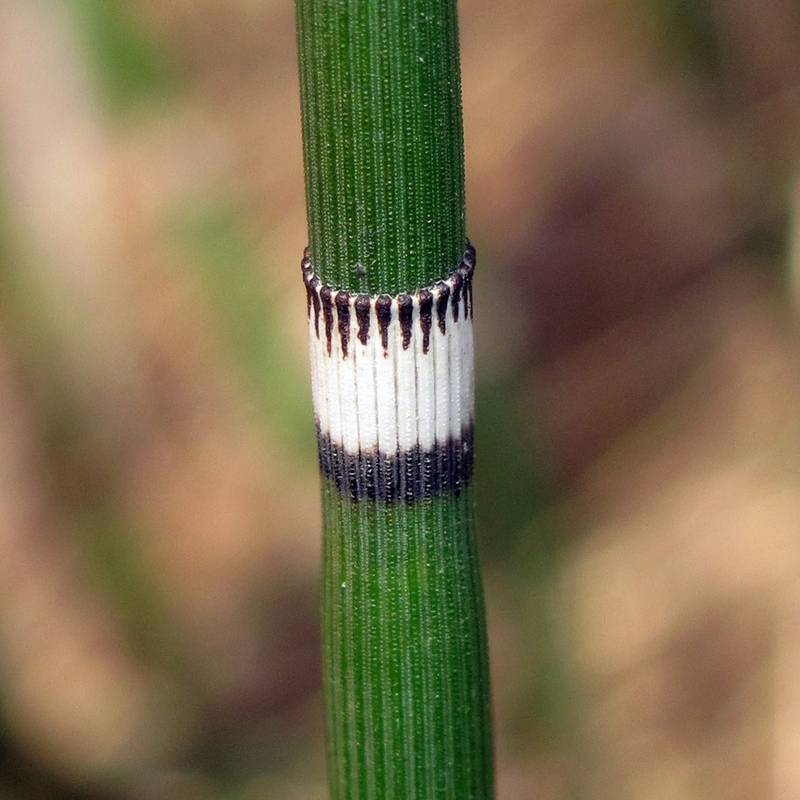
{"x":441,"y":306}
{"x":314,"y":286}
{"x":469,"y":258}
{"x":425,"y":317}
{"x":405,"y":306}
{"x":362,"y":317}
{"x":343,"y":312}
{"x":458,"y":283}
{"x":327,"y":312}
{"x":383,"y":311}
{"x":469,"y":271}
{"x":305,"y":264}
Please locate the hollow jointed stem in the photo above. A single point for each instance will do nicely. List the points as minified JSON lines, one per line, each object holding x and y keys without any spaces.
{"x":388,"y":276}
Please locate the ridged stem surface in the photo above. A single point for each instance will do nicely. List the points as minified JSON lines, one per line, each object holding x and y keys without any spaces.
{"x":406,"y":673}
{"x":388,"y":279}
{"x":383,"y":141}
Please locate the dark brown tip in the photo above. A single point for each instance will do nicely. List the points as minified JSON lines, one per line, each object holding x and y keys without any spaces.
{"x":383,"y":311}
{"x":343,"y":313}
{"x":425,"y":317}
{"x":362,"y":317}
{"x":405,"y":306}
{"x":441,"y":306}
{"x":327,"y":312}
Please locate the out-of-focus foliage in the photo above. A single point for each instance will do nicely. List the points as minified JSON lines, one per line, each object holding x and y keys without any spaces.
{"x":689,"y":33}
{"x":249,"y":316}
{"x":128,"y":62}
{"x":630,"y":169}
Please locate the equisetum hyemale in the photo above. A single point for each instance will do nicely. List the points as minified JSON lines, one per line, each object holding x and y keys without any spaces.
{"x":388,"y":276}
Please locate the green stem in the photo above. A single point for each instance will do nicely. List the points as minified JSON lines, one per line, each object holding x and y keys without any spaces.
{"x":383,"y":142}
{"x":404,"y":634}
{"x":406,"y":673}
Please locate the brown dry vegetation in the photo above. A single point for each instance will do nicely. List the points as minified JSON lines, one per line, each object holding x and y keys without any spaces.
{"x":640,"y":489}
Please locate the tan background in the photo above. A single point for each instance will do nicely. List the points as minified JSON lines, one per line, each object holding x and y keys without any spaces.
{"x":631,"y":195}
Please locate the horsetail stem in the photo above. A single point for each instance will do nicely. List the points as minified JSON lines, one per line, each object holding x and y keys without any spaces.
{"x":388,"y":276}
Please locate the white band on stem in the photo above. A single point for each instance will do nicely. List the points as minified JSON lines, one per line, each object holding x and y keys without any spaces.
{"x":392,"y":383}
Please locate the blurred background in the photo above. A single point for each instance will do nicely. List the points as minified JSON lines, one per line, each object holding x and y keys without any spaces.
{"x":633,"y":189}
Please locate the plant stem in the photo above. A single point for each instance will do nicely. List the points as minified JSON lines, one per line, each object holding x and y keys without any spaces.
{"x":406,"y":676}
{"x":383,"y":143}
{"x":389,"y":280}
